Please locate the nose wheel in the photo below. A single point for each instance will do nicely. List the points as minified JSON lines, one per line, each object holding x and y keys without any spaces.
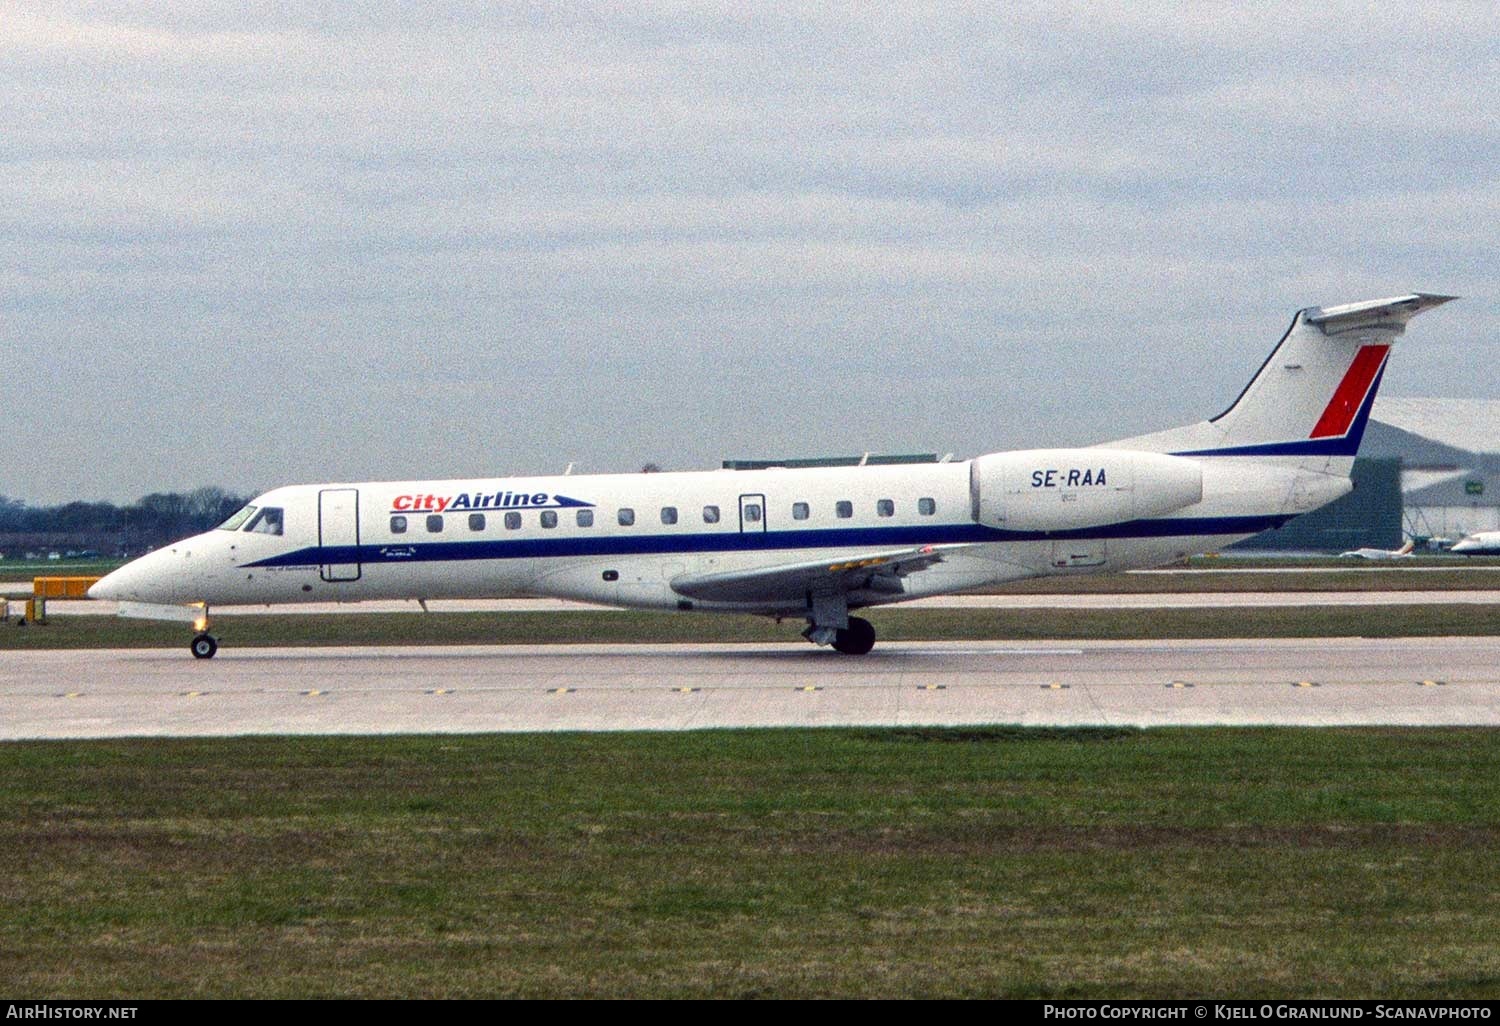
{"x":204,"y":646}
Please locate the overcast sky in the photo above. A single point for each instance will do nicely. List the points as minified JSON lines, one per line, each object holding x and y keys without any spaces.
{"x":256,"y":244}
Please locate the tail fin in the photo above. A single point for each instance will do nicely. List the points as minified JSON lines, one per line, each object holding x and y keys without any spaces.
{"x":1308,"y":404}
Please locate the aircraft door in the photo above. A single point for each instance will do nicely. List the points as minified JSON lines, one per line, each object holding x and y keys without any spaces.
{"x":338,"y":529}
{"x":752,"y":514}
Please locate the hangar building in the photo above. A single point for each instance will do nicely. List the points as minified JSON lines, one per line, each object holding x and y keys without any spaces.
{"x":1428,"y":470}
{"x":1450,"y":462}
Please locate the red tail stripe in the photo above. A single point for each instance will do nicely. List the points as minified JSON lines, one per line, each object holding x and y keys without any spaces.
{"x":1339,"y":413}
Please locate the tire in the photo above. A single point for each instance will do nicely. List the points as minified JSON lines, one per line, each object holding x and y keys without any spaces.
{"x":857,"y":639}
{"x":204,"y":646}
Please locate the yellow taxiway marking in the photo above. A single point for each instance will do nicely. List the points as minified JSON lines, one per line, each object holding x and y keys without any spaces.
{"x":441,"y":691}
{"x":1306,"y":684}
{"x":71,"y":694}
{"x":808,"y":687}
{"x":1055,"y":687}
{"x":313,"y":692}
{"x":932,"y":687}
{"x":1179,"y":684}
{"x":1433,"y":683}
{"x":686,"y":691}
{"x":561,"y":691}
{"x":191,"y":694}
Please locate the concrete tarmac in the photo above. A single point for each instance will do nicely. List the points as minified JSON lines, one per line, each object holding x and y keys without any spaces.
{"x":468,"y":689}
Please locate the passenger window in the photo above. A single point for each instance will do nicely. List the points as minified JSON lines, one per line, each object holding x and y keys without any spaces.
{"x":267,"y":521}
{"x":585,"y":518}
{"x":512,"y":521}
{"x":434,"y":524}
{"x":669,"y":514}
{"x":927,"y":507}
{"x":398,"y":525}
{"x":627,"y":517}
{"x":844,"y":509}
{"x":885,"y":508}
{"x":752,"y":513}
{"x":710,"y":514}
{"x":799,"y":511}
{"x":549,"y":518}
{"x":476,"y":521}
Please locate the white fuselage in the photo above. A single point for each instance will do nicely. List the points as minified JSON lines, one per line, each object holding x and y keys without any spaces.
{"x":624,"y":539}
{"x":1485,"y":543}
{"x":813,"y":543}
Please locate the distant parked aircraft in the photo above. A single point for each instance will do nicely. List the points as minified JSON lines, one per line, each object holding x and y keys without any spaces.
{"x":1404,"y":552}
{"x":1485,"y":543}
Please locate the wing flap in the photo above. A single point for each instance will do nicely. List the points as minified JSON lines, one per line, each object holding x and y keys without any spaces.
{"x":879,"y":572}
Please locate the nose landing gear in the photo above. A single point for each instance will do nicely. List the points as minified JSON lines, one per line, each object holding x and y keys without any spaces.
{"x":204,"y":646}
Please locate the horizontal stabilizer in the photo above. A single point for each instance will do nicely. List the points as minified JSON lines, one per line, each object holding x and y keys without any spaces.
{"x":1393,"y":312}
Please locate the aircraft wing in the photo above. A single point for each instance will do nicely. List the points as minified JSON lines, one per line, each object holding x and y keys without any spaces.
{"x":879,"y":572}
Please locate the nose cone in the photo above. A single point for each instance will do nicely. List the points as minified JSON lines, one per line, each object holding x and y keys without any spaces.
{"x":127,"y":584}
{"x":164,"y":576}
{"x":104,"y":587}
{"x":1467,"y":545}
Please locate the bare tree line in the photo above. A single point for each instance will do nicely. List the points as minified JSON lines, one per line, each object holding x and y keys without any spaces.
{"x":113,"y":530}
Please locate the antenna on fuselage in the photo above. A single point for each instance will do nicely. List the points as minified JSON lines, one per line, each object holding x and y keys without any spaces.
{"x":569,"y":471}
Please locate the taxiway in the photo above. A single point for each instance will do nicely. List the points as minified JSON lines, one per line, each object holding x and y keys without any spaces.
{"x":377,"y":690}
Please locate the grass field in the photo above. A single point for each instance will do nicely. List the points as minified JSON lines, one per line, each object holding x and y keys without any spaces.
{"x":978,"y":862}
{"x":15,"y":570}
{"x":893,"y":624}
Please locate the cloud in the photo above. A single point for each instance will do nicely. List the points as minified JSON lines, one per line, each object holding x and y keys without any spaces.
{"x":489,"y":239}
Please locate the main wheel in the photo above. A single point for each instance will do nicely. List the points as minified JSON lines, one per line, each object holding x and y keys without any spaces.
{"x":856,"y":639}
{"x":204,"y":646}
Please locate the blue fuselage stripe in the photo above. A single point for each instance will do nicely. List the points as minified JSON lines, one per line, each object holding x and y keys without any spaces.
{"x":757,"y":541}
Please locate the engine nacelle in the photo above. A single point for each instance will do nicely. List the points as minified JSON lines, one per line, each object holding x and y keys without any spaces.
{"x":1065,"y":489}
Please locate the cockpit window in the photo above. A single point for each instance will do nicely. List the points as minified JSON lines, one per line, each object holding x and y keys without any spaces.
{"x":234,"y":522}
{"x":267,"y":521}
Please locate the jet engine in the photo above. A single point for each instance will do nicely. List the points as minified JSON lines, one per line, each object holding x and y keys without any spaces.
{"x":1067,"y":489}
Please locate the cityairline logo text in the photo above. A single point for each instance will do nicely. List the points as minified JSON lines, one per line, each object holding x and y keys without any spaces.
{"x":427,"y":503}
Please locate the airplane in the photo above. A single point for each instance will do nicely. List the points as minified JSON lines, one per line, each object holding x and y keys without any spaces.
{"x":1404,"y":552}
{"x":1483,"y":543}
{"x":808,"y":544}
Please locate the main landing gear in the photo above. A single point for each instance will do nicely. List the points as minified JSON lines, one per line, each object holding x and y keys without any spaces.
{"x":829,"y":623}
{"x":855,"y":639}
